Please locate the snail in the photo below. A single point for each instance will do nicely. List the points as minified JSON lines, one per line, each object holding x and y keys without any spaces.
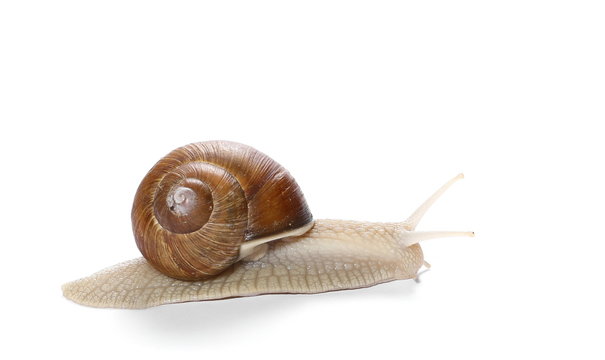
{"x":219,"y":219}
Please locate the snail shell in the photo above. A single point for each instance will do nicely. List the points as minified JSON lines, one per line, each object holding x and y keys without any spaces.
{"x":198,"y":204}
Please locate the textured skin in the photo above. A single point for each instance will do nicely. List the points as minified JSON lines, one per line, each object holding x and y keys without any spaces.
{"x":334,"y":255}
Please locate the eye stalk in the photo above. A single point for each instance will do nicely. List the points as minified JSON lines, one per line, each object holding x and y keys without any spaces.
{"x":410,"y":237}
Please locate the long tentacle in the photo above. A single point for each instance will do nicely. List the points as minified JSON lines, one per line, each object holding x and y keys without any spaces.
{"x":412,"y":221}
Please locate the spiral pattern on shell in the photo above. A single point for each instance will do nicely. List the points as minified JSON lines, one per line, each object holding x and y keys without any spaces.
{"x":196,"y":206}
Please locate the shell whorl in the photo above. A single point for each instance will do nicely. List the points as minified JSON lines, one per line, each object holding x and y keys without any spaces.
{"x":197,"y":205}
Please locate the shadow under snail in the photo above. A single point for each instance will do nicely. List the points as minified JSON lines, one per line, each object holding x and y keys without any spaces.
{"x":219,"y":219}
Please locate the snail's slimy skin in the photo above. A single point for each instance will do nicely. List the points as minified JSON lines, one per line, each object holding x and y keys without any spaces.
{"x":333,"y":255}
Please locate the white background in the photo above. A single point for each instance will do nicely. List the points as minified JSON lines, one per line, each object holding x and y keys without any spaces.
{"x":371,"y":105}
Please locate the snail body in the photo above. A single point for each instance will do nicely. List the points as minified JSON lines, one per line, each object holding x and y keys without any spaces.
{"x":288,"y":254}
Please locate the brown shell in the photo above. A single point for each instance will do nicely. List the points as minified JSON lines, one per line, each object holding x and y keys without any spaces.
{"x":197,"y":205}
